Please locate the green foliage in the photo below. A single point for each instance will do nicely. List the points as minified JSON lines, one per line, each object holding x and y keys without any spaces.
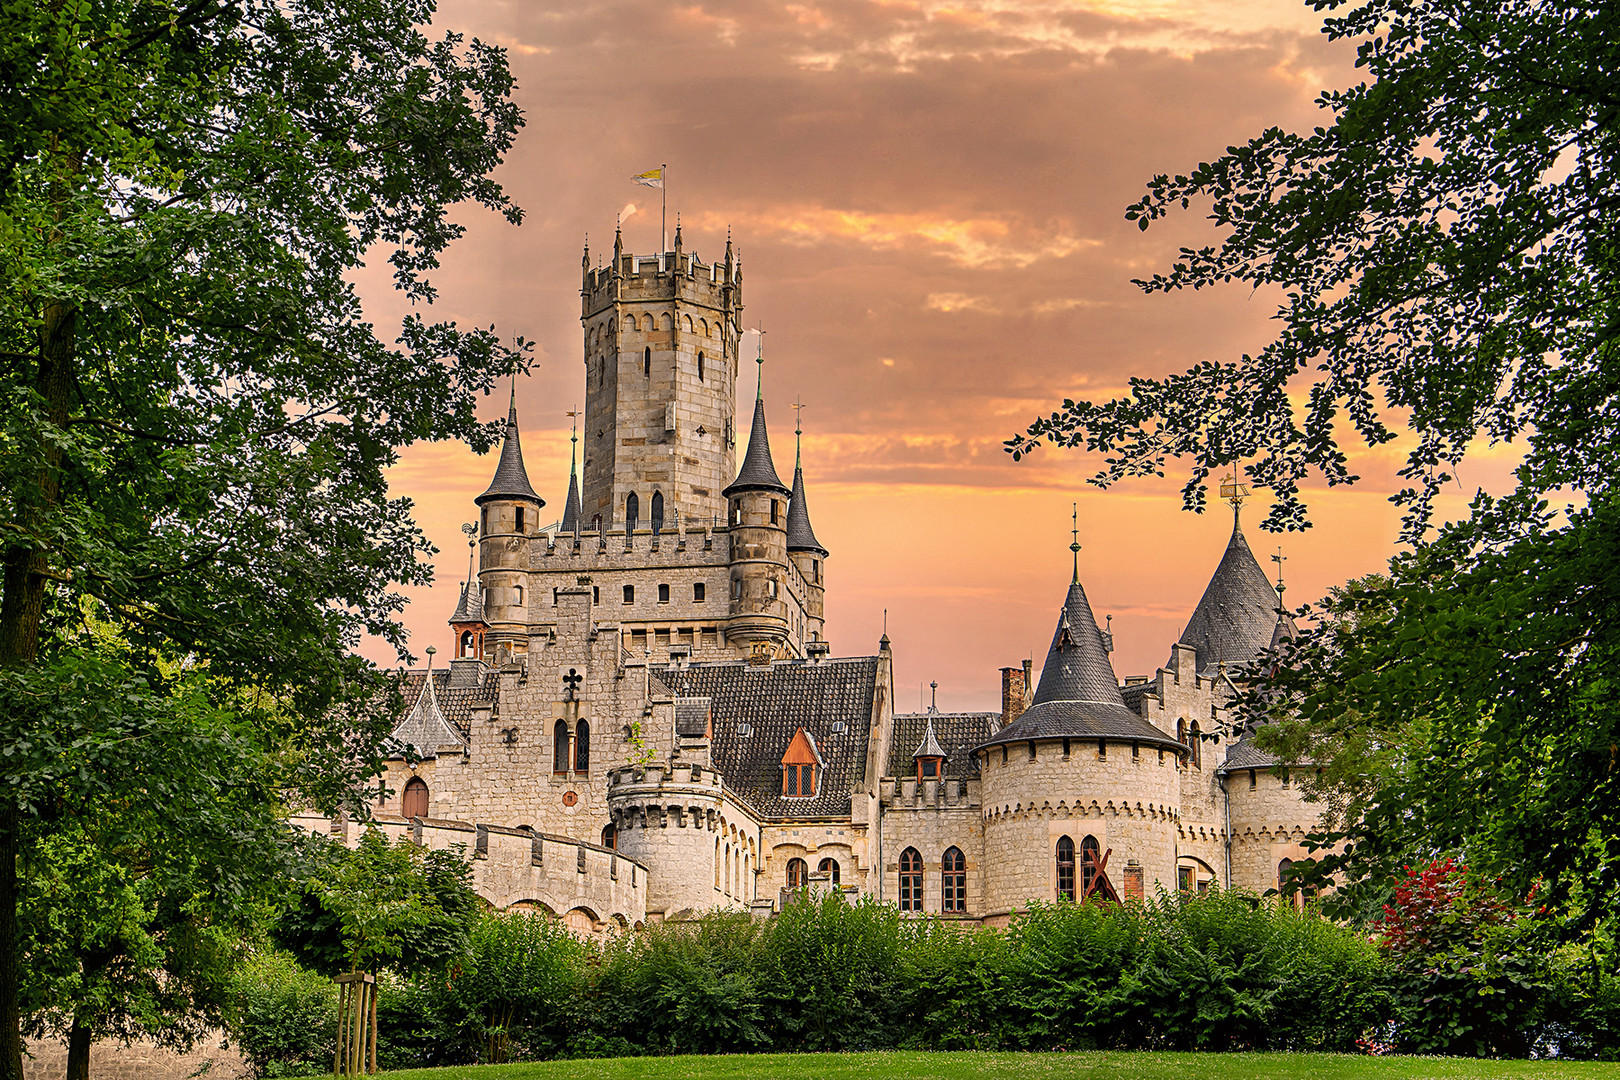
{"x":1445,"y":246}
{"x":197,"y":419}
{"x":1220,"y":972}
{"x":378,"y":905}
{"x":283,"y":1017}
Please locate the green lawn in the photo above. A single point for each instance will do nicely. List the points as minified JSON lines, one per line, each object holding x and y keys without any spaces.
{"x":974,"y":1066}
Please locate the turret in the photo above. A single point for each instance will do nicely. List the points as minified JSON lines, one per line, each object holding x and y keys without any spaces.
{"x":467,"y":622}
{"x":509,"y":512}
{"x":804,"y":549}
{"x":757,"y":503}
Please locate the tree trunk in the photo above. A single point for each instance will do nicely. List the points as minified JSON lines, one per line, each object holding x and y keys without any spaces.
{"x":78,"y":1062}
{"x":21,"y":607}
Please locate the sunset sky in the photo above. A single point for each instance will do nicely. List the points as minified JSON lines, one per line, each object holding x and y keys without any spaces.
{"x":928,"y":200}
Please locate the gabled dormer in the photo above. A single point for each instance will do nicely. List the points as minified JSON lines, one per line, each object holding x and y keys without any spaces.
{"x":802,"y":766}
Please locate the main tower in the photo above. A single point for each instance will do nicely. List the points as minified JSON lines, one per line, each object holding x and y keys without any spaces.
{"x":660,"y":335}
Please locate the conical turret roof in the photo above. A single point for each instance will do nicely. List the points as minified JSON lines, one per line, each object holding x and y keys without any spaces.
{"x":1078,"y":694}
{"x":511,"y":478}
{"x":758,"y":472}
{"x":570,"y":521}
{"x":471,"y":607}
{"x":800,"y":536}
{"x":1236,"y":615}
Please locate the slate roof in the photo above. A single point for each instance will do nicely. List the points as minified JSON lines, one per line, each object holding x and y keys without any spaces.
{"x":511,"y":479}
{"x":930,"y":745}
{"x":1133,"y":694}
{"x":1235,"y":617}
{"x":691,"y":717}
{"x":758,"y":472}
{"x":800,"y":536}
{"x":1244,"y":754}
{"x":776,"y":701}
{"x":471,"y":607}
{"x":1078,"y":694}
{"x":441,"y":717}
{"x":957,"y":733}
{"x":570,"y":521}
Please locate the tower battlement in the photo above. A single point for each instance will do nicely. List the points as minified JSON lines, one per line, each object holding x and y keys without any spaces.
{"x":659,"y":277}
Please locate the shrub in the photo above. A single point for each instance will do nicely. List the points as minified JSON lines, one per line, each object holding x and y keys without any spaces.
{"x":283,"y":1017}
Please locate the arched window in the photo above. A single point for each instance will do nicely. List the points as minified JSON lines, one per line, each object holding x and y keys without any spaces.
{"x":559,"y":750}
{"x":1065,"y":868}
{"x":646,"y":361}
{"x":700,"y":367}
{"x":518,"y":590}
{"x":1282,"y":873}
{"x":798,"y":874}
{"x":466,"y":643}
{"x":610,"y":836}
{"x":414,"y":802}
{"x":717,"y":864}
{"x":582,"y":746}
{"x":830,"y":868}
{"x":1196,"y":745}
{"x":632,"y":511}
{"x":911,"y":880}
{"x":953,"y":879}
{"x":658,"y":511}
{"x":1090,"y":855}
{"x":630,"y":322}
{"x":686,"y":321}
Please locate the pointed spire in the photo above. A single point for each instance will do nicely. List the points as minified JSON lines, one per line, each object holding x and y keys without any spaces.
{"x":570,"y":521}
{"x":1235,"y":617}
{"x":800,"y":536}
{"x":1074,"y":533}
{"x":1077,"y":666}
{"x":511,"y":480}
{"x":758,"y":472}
{"x":470,"y":609}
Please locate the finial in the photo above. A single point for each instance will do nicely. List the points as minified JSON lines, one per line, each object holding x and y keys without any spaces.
{"x":1279,"y":559}
{"x":1234,"y":492}
{"x":1074,"y":546}
{"x":430,"y":650}
{"x":573,"y":437}
{"x":512,"y":404}
{"x":933,"y":696}
{"x":759,"y":391}
{"x":798,"y":432}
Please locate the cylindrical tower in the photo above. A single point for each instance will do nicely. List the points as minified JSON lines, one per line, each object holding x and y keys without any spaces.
{"x":757,"y":518}
{"x":508,"y":514}
{"x":671,"y":817}
{"x":660,"y":343}
{"x":1076,"y":777}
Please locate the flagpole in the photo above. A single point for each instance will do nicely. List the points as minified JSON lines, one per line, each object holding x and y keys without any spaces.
{"x":663,"y":213}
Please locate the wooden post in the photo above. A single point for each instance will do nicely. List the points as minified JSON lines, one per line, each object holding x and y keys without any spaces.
{"x":373,"y":1028}
{"x":357,"y":1025}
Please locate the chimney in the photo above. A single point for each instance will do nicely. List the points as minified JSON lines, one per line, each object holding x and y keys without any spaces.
{"x":1012,"y":694}
{"x":1029,"y":682}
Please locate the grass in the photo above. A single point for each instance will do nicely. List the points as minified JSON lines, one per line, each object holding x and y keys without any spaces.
{"x":1088,"y":1065}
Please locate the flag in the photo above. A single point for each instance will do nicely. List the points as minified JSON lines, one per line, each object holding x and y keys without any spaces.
{"x":650,"y":178}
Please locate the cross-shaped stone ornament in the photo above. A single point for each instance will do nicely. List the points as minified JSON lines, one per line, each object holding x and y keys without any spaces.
{"x":573,"y":679}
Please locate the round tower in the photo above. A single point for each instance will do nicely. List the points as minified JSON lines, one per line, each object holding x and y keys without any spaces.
{"x":672,"y":817}
{"x":808,"y":556}
{"x":1079,"y":778}
{"x":508,"y":514}
{"x":660,"y":337}
{"x":757,"y":513}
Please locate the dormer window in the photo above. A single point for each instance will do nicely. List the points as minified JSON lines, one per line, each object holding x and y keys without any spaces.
{"x":801,"y":767}
{"x":928,"y":768}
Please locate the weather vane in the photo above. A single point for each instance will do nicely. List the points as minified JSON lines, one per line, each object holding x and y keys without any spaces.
{"x":1234,"y":492}
{"x":1279,"y":559}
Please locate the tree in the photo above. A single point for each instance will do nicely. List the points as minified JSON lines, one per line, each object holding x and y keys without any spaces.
{"x":198,"y":414}
{"x":1446,"y":243}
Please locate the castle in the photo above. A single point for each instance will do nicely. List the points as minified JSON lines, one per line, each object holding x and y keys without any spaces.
{"x":642,"y":718}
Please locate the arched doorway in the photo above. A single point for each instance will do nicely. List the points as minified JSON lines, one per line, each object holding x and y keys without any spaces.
{"x":414,"y":801}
